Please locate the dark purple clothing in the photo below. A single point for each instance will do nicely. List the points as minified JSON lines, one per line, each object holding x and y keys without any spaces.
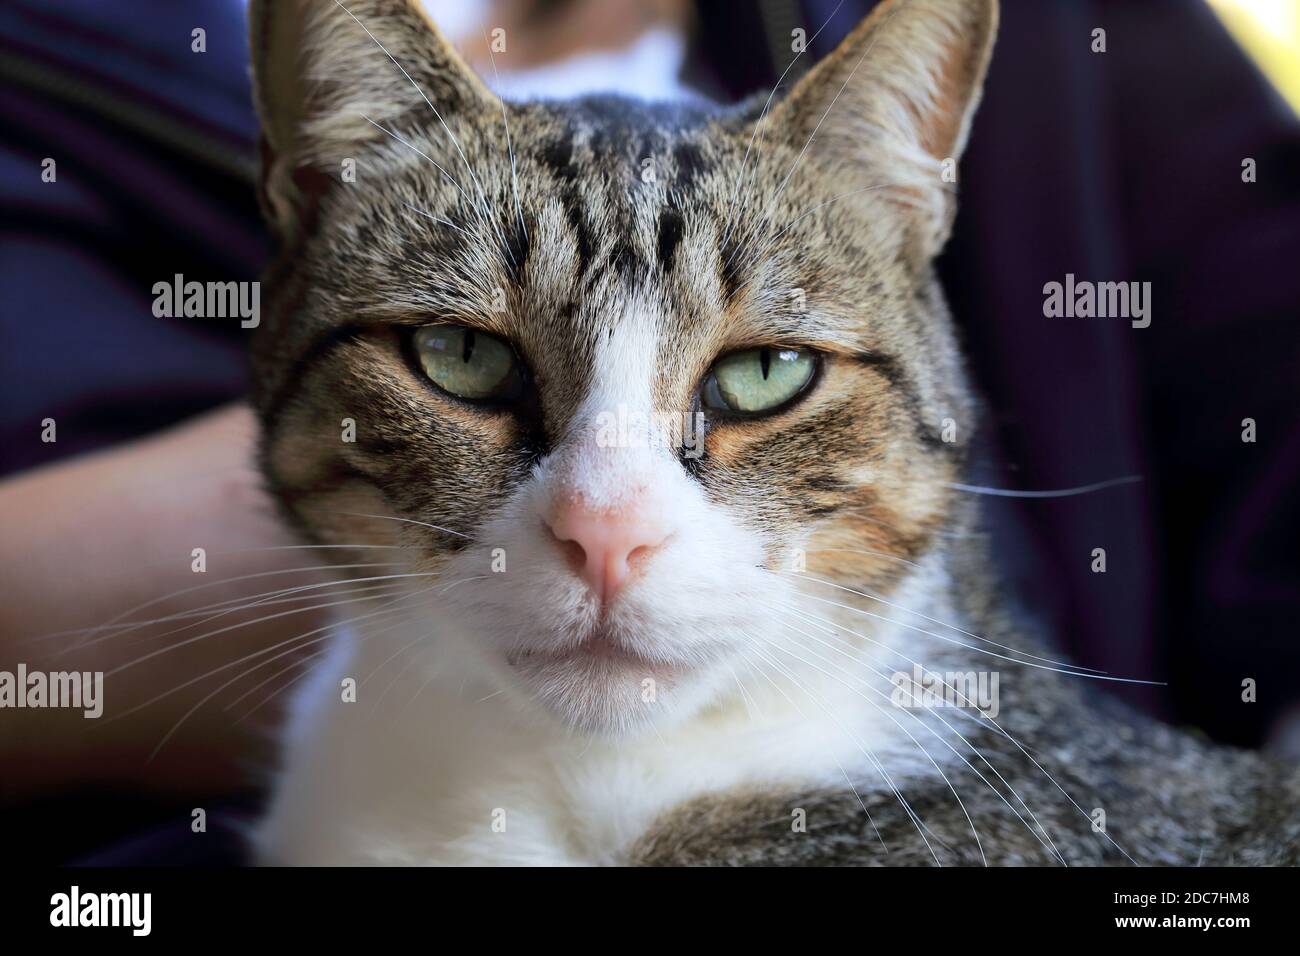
{"x":154,"y":151}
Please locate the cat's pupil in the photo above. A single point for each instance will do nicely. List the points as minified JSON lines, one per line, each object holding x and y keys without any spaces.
{"x":467,"y":346}
{"x":765,"y":360}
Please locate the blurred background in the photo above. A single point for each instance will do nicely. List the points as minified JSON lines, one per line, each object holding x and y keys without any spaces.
{"x":1270,"y":32}
{"x":1117,"y":166}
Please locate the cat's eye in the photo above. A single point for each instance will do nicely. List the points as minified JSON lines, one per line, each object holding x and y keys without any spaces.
{"x":758,"y":380}
{"x":467,"y":363}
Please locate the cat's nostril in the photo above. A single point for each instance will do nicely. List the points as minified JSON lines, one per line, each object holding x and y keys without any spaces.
{"x":573,"y":553}
{"x":575,"y":556}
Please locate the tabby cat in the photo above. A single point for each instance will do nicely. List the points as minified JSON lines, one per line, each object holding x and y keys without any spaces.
{"x":636,"y":414}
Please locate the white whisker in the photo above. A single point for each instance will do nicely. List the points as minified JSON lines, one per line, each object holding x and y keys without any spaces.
{"x":755,"y":133}
{"x":447,"y":129}
{"x":198,"y":587}
{"x":1067,"y":669}
{"x":767,"y":215}
{"x":991,"y":721}
{"x":898,"y":724}
{"x":934,"y":620}
{"x":865,"y":750}
{"x":422,"y":524}
{"x":1044,"y":838}
{"x":1052,"y":493}
{"x":510,"y":149}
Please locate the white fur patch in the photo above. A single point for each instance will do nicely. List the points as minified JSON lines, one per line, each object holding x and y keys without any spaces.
{"x":434,"y":764}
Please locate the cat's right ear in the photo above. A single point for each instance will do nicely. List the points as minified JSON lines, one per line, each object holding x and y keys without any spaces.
{"x":892,"y":104}
{"x":327,"y":75}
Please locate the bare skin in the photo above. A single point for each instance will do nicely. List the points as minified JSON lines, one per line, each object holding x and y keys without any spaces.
{"x":576,"y":27}
{"x":90,"y":539}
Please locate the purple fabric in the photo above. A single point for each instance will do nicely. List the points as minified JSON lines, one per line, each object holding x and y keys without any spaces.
{"x":153,"y":145}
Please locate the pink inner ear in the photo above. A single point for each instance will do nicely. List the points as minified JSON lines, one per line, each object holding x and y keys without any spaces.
{"x":956,"y":80}
{"x":309,"y":186}
{"x":311,"y":183}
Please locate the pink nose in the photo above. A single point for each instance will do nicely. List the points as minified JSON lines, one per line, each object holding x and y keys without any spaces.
{"x":606,"y":547}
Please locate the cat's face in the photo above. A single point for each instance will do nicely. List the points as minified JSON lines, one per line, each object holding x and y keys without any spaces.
{"x":623,"y":377}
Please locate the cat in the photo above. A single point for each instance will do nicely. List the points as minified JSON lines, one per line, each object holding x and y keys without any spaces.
{"x":597,"y":645}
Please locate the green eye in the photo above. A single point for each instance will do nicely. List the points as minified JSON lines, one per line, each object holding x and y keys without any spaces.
{"x":467,"y":363}
{"x":758,"y":380}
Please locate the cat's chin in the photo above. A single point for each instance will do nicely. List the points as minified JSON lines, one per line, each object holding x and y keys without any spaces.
{"x":600,"y":686}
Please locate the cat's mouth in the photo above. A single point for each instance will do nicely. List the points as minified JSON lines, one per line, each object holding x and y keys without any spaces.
{"x":600,"y":684}
{"x":601,"y":650}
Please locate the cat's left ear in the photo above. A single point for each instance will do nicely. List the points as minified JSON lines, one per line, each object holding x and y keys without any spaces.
{"x":325,"y":73}
{"x":893,"y":103}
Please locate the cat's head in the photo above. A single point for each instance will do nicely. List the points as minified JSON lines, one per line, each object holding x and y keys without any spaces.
{"x":620,"y":381}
